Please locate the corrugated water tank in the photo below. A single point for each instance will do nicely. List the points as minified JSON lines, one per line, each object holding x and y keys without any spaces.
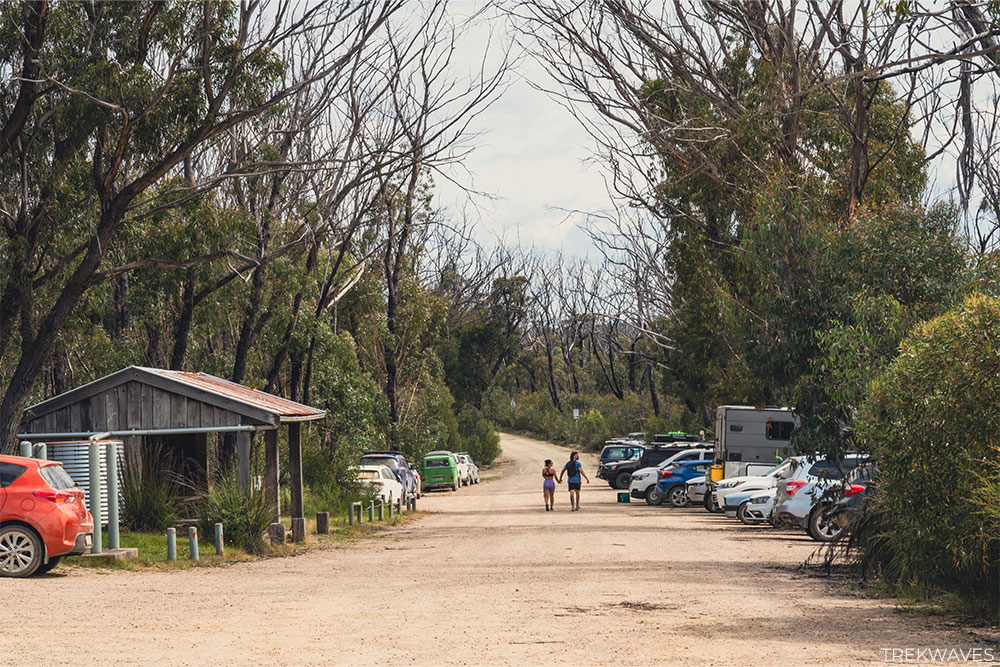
{"x":75,"y":457}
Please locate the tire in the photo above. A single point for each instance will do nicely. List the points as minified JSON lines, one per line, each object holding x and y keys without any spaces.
{"x":823,"y":526}
{"x":653,"y":496}
{"x":47,"y":567}
{"x":622,"y":480}
{"x":677,"y":495}
{"x":21,"y":551}
{"x":709,"y":505}
{"x":742,"y":516}
{"x":611,"y":483}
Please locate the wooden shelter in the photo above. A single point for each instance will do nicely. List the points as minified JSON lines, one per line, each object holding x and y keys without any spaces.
{"x":186,"y":410}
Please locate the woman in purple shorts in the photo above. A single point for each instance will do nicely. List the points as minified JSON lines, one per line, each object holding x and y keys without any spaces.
{"x":549,"y":485}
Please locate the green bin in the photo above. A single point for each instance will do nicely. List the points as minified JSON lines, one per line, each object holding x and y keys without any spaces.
{"x":624,"y":497}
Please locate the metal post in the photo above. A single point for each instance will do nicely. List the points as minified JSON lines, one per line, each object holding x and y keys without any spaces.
{"x":381,"y":509}
{"x":371,"y":512}
{"x":41,"y":451}
{"x":171,"y":544}
{"x":111,"y":454}
{"x":413,"y":503}
{"x":25,"y":449}
{"x":399,"y":505}
{"x":390,"y":510}
{"x":94,"y":491}
{"x":193,"y":542}
{"x":350,"y":514}
{"x":219,"y":550}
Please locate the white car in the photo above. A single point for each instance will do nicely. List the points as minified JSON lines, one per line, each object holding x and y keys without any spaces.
{"x":758,"y":508}
{"x":643,"y":482}
{"x":768,"y":480}
{"x":389,"y":488}
{"x":473,"y":477}
{"x":696,"y":489}
{"x":462,"y":468}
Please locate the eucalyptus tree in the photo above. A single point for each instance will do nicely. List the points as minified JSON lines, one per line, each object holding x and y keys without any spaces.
{"x":106,"y":107}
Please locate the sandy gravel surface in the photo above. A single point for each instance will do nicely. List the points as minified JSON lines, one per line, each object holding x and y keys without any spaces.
{"x":488,"y":578}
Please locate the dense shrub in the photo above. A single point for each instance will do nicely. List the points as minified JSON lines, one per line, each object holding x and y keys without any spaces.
{"x":244,"y":514}
{"x":602,"y":416}
{"x":478,"y":437}
{"x":149,"y":497}
{"x":933,"y":422}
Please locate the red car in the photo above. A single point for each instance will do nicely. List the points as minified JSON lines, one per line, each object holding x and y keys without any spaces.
{"x":42,"y":516}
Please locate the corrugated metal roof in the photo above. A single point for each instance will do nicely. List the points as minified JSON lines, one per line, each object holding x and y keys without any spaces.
{"x":282,"y":407}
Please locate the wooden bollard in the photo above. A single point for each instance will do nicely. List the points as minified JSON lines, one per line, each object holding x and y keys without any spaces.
{"x":323,"y":523}
{"x":298,"y":529}
{"x":371,"y":512}
{"x":381,"y":509}
{"x":390,"y":510}
{"x":276,"y":531}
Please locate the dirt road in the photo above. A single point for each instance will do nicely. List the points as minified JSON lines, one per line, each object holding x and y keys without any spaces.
{"x":488,"y":578}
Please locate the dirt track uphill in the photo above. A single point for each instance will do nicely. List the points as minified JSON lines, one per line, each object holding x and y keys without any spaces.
{"x":487,"y":578}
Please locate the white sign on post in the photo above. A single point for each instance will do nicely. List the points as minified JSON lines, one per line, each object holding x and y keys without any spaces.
{"x":576,"y":413}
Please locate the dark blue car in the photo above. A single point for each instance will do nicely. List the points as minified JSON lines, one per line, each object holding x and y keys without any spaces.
{"x":672,"y":480}
{"x":396,"y":462}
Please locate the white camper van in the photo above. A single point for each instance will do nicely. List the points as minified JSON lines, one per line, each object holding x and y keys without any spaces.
{"x":749,"y":440}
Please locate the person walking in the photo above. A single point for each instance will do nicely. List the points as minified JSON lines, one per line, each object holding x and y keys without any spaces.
{"x":549,"y":485}
{"x":573,"y":470}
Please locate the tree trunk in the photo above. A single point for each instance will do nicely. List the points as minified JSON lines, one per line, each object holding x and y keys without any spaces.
{"x":183,"y":329}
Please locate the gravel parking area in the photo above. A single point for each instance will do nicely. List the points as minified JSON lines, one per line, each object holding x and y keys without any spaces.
{"x":488,"y":577}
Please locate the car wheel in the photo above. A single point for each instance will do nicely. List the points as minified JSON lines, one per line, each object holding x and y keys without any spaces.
{"x":20,"y":551}
{"x":677,"y":495}
{"x":611,"y":483}
{"x":741,"y":514}
{"x":622,"y":481}
{"x":709,"y":505}
{"x":823,"y":526}
{"x":46,"y":567}
{"x":653,"y":496}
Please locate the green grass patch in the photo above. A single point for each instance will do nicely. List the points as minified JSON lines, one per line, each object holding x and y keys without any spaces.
{"x":153,"y":546}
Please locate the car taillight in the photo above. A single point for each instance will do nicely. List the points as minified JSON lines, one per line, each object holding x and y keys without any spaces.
{"x":852,"y":489}
{"x":793,"y":486}
{"x":54,"y":496}
{"x":665,"y":473}
{"x":378,"y":482}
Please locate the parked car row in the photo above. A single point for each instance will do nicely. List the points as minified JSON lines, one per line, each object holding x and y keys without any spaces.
{"x":747,"y":473}
{"x":396,"y":478}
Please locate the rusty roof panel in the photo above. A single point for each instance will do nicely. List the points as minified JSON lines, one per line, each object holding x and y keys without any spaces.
{"x":238,"y":392}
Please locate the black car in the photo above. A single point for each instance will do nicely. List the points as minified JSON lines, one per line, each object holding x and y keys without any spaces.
{"x":618,"y":474}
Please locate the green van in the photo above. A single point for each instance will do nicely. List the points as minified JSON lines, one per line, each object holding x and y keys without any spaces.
{"x":440,"y":469}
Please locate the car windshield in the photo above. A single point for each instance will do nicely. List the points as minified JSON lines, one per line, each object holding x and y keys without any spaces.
{"x":619,"y":453}
{"x":778,"y":468}
{"x":437,"y":463}
{"x":379,"y":461}
{"x":57,"y":477}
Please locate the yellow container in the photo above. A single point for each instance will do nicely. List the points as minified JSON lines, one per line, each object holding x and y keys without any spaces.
{"x":716,"y":472}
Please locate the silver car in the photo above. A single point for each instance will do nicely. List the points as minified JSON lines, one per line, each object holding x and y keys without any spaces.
{"x":807,"y":487}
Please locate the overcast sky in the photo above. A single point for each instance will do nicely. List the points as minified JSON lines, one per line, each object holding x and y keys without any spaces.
{"x":531,"y":156}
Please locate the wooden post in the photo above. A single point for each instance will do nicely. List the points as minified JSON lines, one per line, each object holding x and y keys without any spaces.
{"x":298,"y":529}
{"x":243,"y":459}
{"x":323,"y":523}
{"x":276,"y":531}
{"x":200,"y":472}
{"x":271,"y":473}
{"x":295,"y":464}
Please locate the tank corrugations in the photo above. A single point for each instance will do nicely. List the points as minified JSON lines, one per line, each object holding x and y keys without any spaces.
{"x":75,"y":457}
